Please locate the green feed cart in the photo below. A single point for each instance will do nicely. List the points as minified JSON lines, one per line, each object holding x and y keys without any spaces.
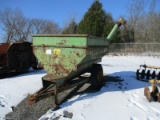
{"x":66,"y":57}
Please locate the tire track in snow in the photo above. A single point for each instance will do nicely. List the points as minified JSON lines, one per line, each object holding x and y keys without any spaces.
{"x":155,"y":111}
{"x":133,"y":99}
{"x":137,"y":104}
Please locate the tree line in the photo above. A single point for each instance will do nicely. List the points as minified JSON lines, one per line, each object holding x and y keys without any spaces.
{"x":18,"y":28}
{"x":142,"y":26}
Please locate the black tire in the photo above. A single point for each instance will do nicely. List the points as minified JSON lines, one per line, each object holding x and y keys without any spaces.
{"x":148,"y":75}
{"x":154,"y":75}
{"x":35,"y":63}
{"x":34,"y":66}
{"x":143,"y":74}
{"x":137,"y":74}
{"x":96,"y":77}
{"x":155,"y":94}
{"x":158,"y":76}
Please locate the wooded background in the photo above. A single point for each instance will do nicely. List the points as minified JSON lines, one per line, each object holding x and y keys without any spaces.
{"x":142,"y":26}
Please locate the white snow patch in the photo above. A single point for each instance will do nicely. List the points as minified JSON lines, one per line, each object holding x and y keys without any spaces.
{"x":116,"y":100}
{"x":14,"y":90}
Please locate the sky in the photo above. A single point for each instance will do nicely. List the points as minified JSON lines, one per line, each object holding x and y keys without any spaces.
{"x":61,"y":11}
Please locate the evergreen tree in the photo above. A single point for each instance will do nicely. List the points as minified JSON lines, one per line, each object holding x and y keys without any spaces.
{"x":96,"y":21}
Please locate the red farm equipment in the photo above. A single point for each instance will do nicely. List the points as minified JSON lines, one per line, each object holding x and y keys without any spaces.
{"x":16,"y":57}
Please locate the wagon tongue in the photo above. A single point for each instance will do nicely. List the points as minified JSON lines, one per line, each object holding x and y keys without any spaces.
{"x":41,"y":94}
{"x":31,"y":100}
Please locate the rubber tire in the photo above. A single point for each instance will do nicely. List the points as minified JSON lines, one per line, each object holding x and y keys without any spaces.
{"x":154,"y":75}
{"x":143,"y":74}
{"x":137,"y":74}
{"x":158,"y":76}
{"x":34,"y":62}
{"x":155,"y":94}
{"x":96,"y":77}
{"x":148,"y":75}
{"x":34,"y":66}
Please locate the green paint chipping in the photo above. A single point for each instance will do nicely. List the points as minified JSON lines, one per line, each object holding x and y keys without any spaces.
{"x":70,"y":55}
{"x":65,"y":54}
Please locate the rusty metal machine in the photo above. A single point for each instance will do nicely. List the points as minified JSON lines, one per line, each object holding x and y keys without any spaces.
{"x":67,"y":57}
{"x":147,"y":72}
{"x":154,"y":95}
{"x":16,"y":57}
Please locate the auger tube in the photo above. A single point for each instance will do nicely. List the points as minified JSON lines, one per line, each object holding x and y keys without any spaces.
{"x":115,"y":29}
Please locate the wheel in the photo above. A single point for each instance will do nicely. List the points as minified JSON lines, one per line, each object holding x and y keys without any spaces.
{"x":153,"y":74}
{"x":159,"y":76}
{"x":35,"y":64}
{"x":147,"y":93}
{"x":155,"y":94}
{"x":143,"y":74}
{"x":96,"y":77}
{"x":159,"y":97}
{"x":148,"y":75}
{"x":137,"y":74}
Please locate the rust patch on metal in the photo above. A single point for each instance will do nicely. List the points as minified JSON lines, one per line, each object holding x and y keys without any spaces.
{"x":31,"y":100}
{"x":3,"y":53}
{"x":3,"y":48}
{"x":63,"y":42}
{"x":78,"y":54}
{"x":65,"y":70}
{"x":60,"y":70}
{"x":52,"y":77}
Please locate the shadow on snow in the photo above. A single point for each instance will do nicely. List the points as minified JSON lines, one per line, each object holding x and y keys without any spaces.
{"x":119,"y":81}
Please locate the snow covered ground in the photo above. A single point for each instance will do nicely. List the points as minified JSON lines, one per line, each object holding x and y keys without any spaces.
{"x":116,"y":100}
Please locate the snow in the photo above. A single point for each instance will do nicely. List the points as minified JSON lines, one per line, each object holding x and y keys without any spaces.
{"x":14,"y":90}
{"x":116,"y":100}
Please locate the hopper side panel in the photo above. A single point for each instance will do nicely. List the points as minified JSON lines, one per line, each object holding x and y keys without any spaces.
{"x":59,"y":61}
{"x":98,"y":42}
{"x":61,"y":41}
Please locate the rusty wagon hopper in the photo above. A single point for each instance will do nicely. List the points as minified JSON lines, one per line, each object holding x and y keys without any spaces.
{"x":66,"y":57}
{"x":16,"y":57}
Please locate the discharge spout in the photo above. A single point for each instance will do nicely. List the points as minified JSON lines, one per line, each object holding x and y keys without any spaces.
{"x":120,"y":22}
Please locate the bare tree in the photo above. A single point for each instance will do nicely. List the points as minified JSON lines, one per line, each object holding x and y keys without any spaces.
{"x":70,"y":28}
{"x":7,"y":23}
{"x":152,"y":6}
{"x":51,"y":28}
{"x":41,"y":26}
{"x":153,"y":22}
{"x":147,"y":26}
{"x":18,"y":28}
{"x":15,"y":25}
{"x":135,"y":10}
{"x":144,"y":24}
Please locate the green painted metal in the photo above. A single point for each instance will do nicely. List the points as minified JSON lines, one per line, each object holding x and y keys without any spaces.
{"x":115,"y":29}
{"x":68,"y":40}
{"x":67,"y":56}
{"x":112,"y":33}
